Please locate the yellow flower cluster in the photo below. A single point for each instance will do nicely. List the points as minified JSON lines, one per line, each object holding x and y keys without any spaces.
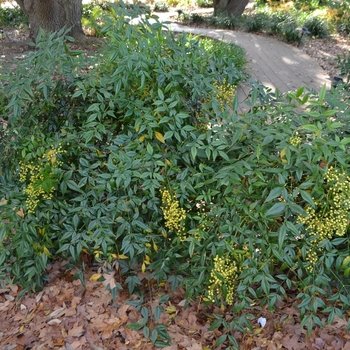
{"x":312,"y":258}
{"x":225,"y":93}
{"x":36,"y":172}
{"x":330,"y":217}
{"x":51,"y":156}
{"x":227,"y":270}
{"x":334,"y":221}
{"x":295,"y":141}
{"x":174,"y":215}
{"x":34,"y":189}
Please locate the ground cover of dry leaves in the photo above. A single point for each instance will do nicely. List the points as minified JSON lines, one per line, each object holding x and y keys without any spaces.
{"x":65,"y":315}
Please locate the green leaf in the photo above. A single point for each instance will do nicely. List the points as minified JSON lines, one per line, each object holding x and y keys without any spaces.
{"x":154,"y":336}
{"x":224,"y":156}
{"x":188,"y":128}
{"x":267,"y":140}
{"x":233,"y":342}
{"x":310,"y":127}
{"x":132,"y":281}
{"x":318,"y":321}
{"x":2,"y":233}
{"x":191,"y":248}
{"x":73,"y":186}
{"x":135,"y":326}
{"x":345,"y":140}
{"x":157,"y":312}
{"x":307,"y":319}
{"x":322,"y":93}
{"x":75,"y":52}
{"x":282,"y":233}
{"x":95,"y":107}
{"x":146,"y":332}
{"x":276,"y":210}
{"x":141,"y":225}
{"x":149,"y":148}
{"x":161,"y":344}
{"x":221,"y":340}
{"x":275,"y":192}
{"x":144,"y":314}
{"x":168,"y":135}
{"x":237,"y":136}
{"x":329,"y":113}
{"x":335,"y":125}
{"x":88,"y":135}
{"x":307,"y":197}
{"x":160,"y":94}
{"x":182,"y":115}
{"x":215,"y":325}
{"x":173,"y":104}
{"x":235,"y":103}
{"x":292,"y":228}
{"x":77,"y":94}
{"x":296,"y":209}
{"x":299,"y":91}
{"x":193,"y":152}
{"x":164,"y":298}
{"x":47,"y":185}
{"x":346,"y":263}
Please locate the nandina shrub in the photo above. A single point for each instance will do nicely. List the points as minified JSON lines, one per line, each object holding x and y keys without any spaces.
{"x":88,"y":180}
{"x":146,"y":167}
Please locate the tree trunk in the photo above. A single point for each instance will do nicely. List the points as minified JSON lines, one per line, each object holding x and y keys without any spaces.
{"x":231,"y":7}
{"x":53,"y":15}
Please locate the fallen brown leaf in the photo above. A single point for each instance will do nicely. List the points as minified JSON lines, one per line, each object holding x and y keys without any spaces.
{"x":109,"y":280}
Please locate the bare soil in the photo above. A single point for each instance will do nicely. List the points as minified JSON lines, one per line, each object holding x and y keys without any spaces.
{"x":13,"y":43}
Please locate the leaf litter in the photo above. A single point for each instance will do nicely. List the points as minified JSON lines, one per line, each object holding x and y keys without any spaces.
{"x":65,"y":316}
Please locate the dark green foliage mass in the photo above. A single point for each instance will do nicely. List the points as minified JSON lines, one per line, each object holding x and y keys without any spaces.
{"x":133,"y":157}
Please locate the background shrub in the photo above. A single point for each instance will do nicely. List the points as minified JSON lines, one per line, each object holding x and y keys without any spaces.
{"x":344,"y":67}
{"x":288,"y":30}
{"x":316,"y":26}
{"x":225,"y":22}
{"x":204,"y":3}
{"x":254,"y":22}
{"x":161,"y":6}
{"x":12,"y":16}
{"x":343,"y":26}
{"x":275,"y":22}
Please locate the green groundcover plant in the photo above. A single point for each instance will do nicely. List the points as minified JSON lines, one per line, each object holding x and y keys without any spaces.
{"x":138,"y":155}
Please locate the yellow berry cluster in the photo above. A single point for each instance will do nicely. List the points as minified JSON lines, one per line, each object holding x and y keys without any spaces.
{"x":35,"y":172}
{"x":295,"y":141}
{"x":51,"y":156}
{"x":174,"y":215}
{"x":225,"y":92}
{"x":227,"y":270}
{"x":311,"y":258}
{"x":333,"y":221}
{"x":330,"y":217}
